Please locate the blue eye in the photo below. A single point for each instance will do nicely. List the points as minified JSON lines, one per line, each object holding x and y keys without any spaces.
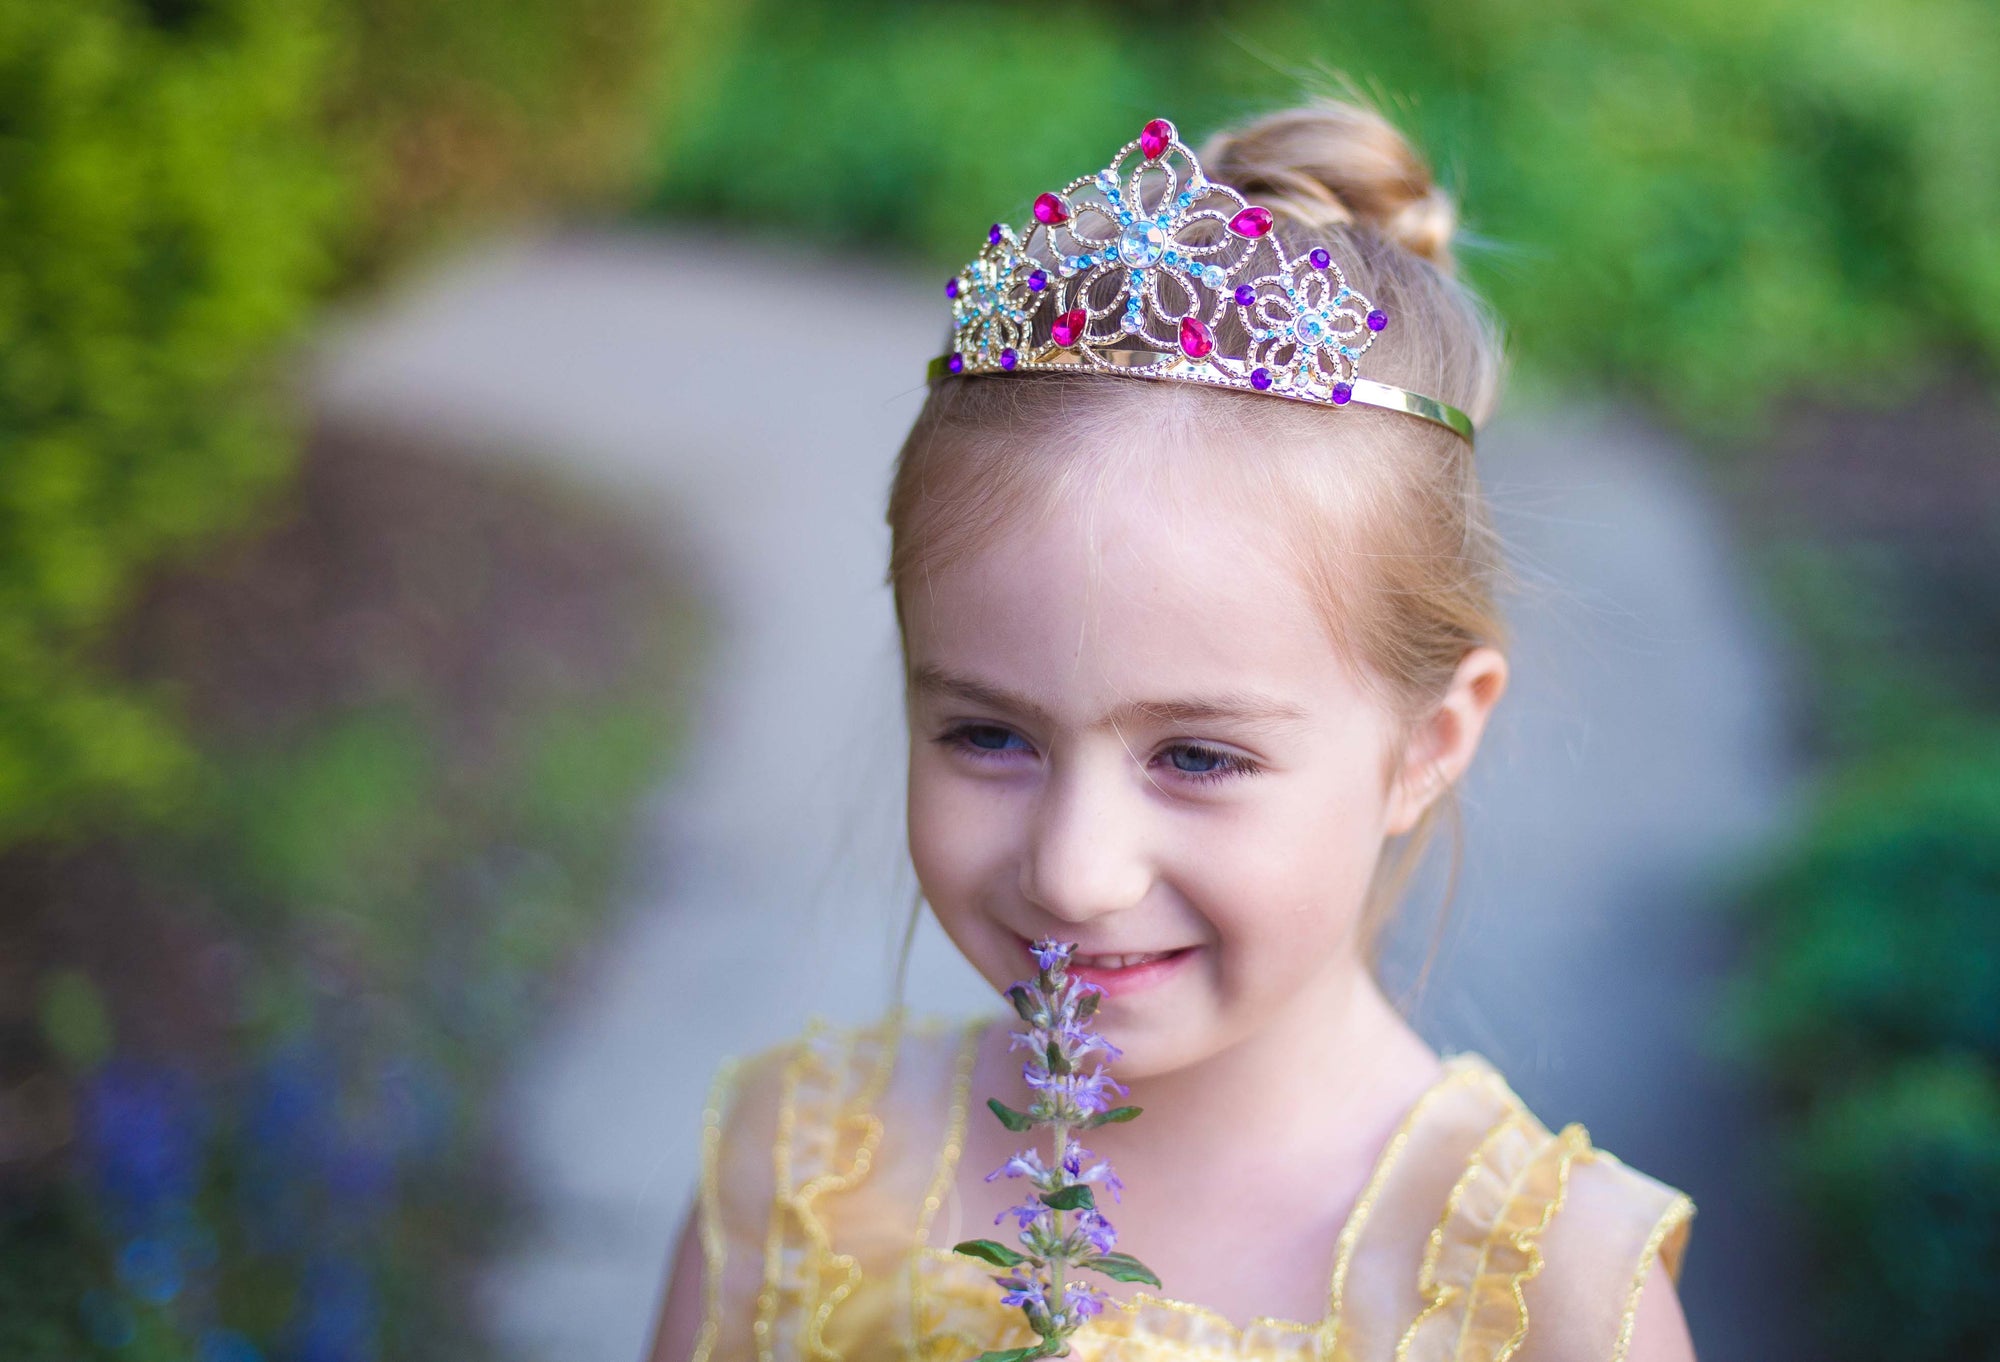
{"x":987,"y":742}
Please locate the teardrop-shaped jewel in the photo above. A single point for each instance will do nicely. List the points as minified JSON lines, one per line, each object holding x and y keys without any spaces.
{"x":1050,"y":209}
{"x":1069,"y":326}
{"x":1155,"y":138}
{"x":1196,"y":339}
{"x":1252,"y":222}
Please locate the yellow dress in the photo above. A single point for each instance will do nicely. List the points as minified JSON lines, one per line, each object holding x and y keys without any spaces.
{"x":1480,"y":1236}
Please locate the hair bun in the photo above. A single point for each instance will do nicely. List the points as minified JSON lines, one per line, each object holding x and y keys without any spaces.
{"x":1332,"y":161}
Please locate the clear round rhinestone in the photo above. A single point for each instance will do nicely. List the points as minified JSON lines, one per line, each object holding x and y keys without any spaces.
{"x":1131,"y":322}
{"x":1141,"y":245}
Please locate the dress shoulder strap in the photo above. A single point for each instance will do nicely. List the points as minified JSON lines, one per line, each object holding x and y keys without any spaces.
{"x":816,"y":1153}
{"x":1542,"y":1241}
{"x":1617,"y":1222}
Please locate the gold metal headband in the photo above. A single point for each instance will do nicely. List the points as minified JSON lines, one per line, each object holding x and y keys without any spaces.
{"x":1130,"y":271}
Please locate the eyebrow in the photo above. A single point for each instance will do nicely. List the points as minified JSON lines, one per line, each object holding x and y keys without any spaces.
{"x":1238,"y":707}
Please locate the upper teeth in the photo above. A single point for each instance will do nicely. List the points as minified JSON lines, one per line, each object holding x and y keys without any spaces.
{"x":1119,"y":961}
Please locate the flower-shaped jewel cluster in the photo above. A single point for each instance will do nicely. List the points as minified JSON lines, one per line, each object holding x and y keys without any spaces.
{"x":1056,"y":1009}
{"x":1132,"y":270}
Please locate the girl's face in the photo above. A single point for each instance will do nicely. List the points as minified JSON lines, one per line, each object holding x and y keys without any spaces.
{"x":1175,"y":763}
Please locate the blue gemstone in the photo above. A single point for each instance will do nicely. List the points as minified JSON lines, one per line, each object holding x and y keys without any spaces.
{"x":1245,"y":295}
{"x":1007,"y":359}
{"x":1320,"y":259}
{"x":1341,"y":392}
{"x":1260,"y":379}
{"x":1037,"y":281}
{"x":1377,"y":319}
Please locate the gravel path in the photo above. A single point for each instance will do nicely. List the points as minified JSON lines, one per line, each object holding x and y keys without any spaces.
{"x":1636,"y":753}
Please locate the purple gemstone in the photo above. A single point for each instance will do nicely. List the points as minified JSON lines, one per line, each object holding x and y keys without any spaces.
{"x":1260,"y":379}
{"x":1007,"y":358}
{"x":951,"y":287}
{"x":1038,"y":281}
{"x":993,"y":234}
{"x":1245,"y":295}
{"x":1320,"y":259}
{"x":1377,"y":319}
{"x":956,"y":363}
{"x":1341,"y":392}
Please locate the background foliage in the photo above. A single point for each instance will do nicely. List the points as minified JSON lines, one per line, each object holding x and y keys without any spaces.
{"x":300,"y":815}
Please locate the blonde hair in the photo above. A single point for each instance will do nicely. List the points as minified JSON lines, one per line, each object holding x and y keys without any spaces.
{"x":1382,"y":514}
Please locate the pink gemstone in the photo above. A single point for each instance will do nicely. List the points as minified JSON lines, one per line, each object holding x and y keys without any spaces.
{"x":1252,"y":222}
{"x":1196,"y":339}
{"x":1050,"y":209}
{"x":1155,"y":138}
{"x":1069,"y":326}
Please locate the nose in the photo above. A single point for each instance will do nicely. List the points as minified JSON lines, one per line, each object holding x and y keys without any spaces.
{"x":1086,"y":854}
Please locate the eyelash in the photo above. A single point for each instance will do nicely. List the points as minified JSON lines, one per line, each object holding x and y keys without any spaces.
{"x":1228,"y":764}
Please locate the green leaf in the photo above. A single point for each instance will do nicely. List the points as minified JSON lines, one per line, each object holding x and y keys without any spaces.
{"x":1086,"y":1006}
{"x":1024,"y":1002}
{"x":1075,"y":1197}
{"x":1010,"y":1118}
{"x":989,"y":1251}
{"x":1058,"y":1061}
{"x":1105,"y":1118}
{"x":1013,"y":1354}
{"x":1122,"y":1267}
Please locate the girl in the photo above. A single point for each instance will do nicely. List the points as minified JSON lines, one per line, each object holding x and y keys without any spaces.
{"x":1199,"y":636}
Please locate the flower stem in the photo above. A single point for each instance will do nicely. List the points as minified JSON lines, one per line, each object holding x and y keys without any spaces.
{"x":1062,"y":1225}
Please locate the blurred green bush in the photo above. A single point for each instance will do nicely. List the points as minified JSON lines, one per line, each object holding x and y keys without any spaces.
{"x":1701,"y":207}
{"x":166,"y":211}
{"x":300,"y":814}
{"x":1871,"y":1005}
{"x":182,"y":183}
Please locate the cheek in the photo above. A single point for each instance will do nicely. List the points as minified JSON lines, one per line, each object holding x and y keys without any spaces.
{"x":1284,"y":890}
{"x":959,"y":841}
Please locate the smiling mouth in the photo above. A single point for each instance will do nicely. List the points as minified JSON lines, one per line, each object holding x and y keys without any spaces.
{"x":1126,"y":961}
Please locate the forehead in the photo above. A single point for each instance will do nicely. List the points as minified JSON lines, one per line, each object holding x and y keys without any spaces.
{"x":1146,"y":589}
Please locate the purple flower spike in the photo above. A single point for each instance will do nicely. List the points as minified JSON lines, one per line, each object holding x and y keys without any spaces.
{"x":1061,"y":1225}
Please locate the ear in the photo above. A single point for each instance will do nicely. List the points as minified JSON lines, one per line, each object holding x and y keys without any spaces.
{"x":1442,"y":746}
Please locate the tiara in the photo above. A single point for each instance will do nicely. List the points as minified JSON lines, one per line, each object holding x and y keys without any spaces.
{"x":1130,"y":271}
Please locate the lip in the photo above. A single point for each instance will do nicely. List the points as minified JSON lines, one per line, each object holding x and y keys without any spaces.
{"x":1134,"y":978}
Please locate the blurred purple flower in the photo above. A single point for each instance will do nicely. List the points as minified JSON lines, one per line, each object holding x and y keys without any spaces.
{"x":1082,"y":1300}
{"x":1023,"y":1291}
{"x":1096,"y":1231}
{"x":1052,"y":954}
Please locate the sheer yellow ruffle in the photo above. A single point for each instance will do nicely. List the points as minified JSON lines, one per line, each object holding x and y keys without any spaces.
{"x":859,"y":1169}
{"x":1483,"y":1249}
